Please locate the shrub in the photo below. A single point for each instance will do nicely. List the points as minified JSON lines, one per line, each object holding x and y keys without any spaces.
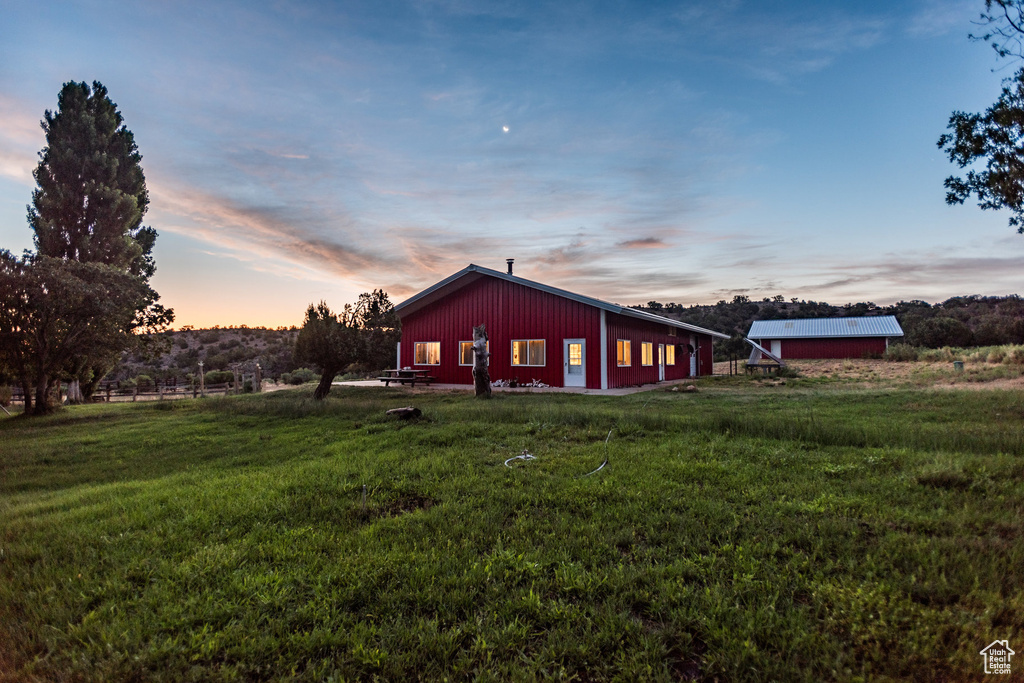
{"x":996,"y":355}
{"x":144,"y":382}
{"x":209,"y":337}
{"x":943,"y":355}
{"x":300,"y":376}
{"x":219,"y":376}
{"x":1016,"y":355}
{"x":901,"y":353}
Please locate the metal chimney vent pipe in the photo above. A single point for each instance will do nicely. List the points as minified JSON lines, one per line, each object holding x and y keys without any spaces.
{"x":509,"y":261}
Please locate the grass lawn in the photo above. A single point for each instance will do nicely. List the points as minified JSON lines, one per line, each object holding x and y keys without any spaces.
{"x":748,"y":532}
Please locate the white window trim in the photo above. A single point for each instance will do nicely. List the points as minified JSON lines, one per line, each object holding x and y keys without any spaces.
{"x":629,"y":356}
{"x":512,"y":354}
{"x":415,"y":344}
{"x":644,"y":345}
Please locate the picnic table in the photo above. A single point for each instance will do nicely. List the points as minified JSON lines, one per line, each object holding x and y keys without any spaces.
{"x":406,"y":376}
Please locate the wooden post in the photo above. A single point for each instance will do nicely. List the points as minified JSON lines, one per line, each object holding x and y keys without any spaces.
{"x":481,"y":377}
{"x":135,"y":393}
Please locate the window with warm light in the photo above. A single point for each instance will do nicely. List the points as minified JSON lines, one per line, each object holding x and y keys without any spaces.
{"x":528,"y":352}
{"x":670,"y":354}
{"x":466,"y":353}
{"x":647,"y":353}
{"x":428,"y":353}
{"x":623,"y":355}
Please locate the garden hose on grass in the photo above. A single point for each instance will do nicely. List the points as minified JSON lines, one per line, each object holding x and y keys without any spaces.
{"x":601,"y":467}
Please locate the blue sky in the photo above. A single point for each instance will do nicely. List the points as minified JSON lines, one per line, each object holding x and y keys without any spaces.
{"x":678,"y":151}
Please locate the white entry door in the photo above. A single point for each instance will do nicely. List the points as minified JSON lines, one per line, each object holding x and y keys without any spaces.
{"x":661,"y":362}
{"x":693,"y":356}
{"x":575,"y":362}
{"x":777,"y":348}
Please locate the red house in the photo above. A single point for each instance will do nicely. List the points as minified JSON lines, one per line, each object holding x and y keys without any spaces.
{"x":538,"y":332}
{"x":863,"y":337}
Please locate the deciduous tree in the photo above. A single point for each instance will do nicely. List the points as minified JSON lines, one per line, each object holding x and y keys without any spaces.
{"x":53,"y":311}
{"x":995,"y":137}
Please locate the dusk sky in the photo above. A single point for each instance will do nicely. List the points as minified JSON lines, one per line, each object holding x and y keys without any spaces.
{"x":678,"y":151}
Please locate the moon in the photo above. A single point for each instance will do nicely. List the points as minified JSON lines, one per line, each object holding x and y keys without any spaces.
{"x":504,"y":129}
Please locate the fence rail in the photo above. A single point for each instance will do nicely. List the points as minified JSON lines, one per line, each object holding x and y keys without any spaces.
{"x":113,"y":393}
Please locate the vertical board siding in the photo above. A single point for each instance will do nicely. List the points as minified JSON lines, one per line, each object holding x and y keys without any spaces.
{"x":849,"y":347}
{"x":639,"y":331}
{"x":510,"y":311}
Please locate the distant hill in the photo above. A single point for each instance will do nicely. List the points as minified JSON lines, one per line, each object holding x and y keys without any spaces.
{"x":178,"y":353}
{"x":962,"y":321}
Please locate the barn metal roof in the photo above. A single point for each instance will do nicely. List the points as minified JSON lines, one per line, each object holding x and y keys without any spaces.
{"x":870,"y":326}
{"x":473,"y":272}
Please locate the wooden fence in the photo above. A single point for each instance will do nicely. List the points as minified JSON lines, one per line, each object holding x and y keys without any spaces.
{"x":114,"y":392}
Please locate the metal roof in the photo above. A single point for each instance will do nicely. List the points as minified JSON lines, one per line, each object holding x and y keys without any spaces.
{"x":473,"y":272}
{"x":870,"y":326}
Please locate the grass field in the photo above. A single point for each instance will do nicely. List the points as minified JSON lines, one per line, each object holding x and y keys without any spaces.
{"x":817,"y":530}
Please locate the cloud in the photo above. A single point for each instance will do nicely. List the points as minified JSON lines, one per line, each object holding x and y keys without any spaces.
{"x":642,"y":243}
{"x":921,"y":275}
{"x":777,"y":46}
{"x":20,"y":140}
{"x":259,"y":232}
{"x":934,"y":18}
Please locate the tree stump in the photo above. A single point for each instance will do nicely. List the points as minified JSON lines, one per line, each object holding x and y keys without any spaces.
{"x":481,"y":377}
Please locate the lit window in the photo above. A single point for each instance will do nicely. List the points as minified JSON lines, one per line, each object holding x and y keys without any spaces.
{"x":466,"y":353}
{"x":670,"y":354}
{"x":623,"y":356}
{"x":646,"y":353}
{"x":528,"y":352}
{"x":428,"y":353}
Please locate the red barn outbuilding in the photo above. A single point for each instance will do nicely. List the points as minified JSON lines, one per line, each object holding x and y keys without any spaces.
{"x":539,"y":332}
{"x":826,"y":337}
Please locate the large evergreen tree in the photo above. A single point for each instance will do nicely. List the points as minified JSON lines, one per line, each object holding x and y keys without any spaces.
{"x":329,"y":342}
{"x":92,"y":193}
{"x":71,"y":308}
{"x":363,"y":335}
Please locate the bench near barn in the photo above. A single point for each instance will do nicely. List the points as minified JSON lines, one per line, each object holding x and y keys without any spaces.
{"x":406,"y":376}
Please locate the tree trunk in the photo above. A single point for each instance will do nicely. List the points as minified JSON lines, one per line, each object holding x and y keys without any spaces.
{"x":26,"y":392}
{"x":74,"y":393}
{"x":42,"y":406}
{"x":98,"y":373}
{"x":324,"y":387}
{"x":481,"y":377}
